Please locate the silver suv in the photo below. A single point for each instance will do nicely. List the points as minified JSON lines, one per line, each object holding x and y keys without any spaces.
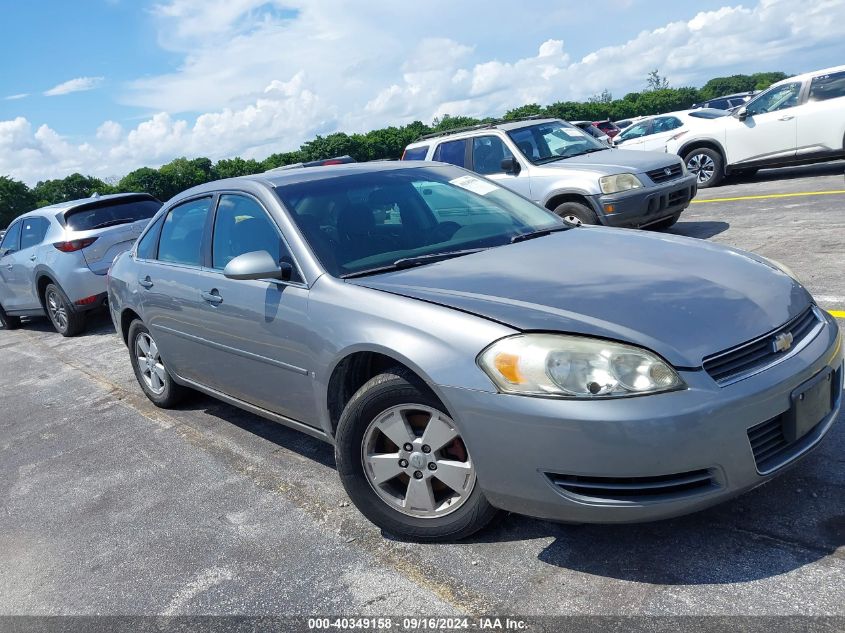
{"x":566,"y":170}
{"x":54,"y":260}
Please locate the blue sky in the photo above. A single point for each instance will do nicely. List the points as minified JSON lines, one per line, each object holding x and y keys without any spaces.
{"x":153,"y":80}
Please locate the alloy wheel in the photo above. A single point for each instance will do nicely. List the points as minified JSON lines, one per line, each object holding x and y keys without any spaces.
{"x":57,"y":309}
{"x":149,"y":363}
{"x":416,"y":461}
{"x":702,"y":166}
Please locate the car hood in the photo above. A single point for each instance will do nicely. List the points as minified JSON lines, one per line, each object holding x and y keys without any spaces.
{"x":680,"y":297}
{"x":615,"y":161}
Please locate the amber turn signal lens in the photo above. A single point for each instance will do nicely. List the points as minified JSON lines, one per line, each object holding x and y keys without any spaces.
{"x":508,"y":366}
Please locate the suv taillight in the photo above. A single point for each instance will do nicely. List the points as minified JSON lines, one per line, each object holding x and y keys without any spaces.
{"x":74,"y":245}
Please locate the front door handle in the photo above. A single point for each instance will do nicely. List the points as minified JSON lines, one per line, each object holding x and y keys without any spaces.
{"x":213,"y":297}
{"x":10,"y":266}
{"x":146,"y":282}
{"x":32,"y":258}
{"x":786,"y":117}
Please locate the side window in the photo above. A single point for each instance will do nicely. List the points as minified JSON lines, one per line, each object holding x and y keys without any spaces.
{"x":666,"y":124}
{"x":488,"y":153}
{"x":11,"y":240}
{"x":33,"y":231}
{"x":635,"y":131}
{"x":827,"y":87}
{"x":243,"y":226}
{"x":453,"y":152}
{"x":778,"y":98}
{"x":181,"y":233}
{"x":415,"y":153}
{"x":149,"y":243}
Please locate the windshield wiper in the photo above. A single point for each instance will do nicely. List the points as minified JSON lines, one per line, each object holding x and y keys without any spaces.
{"x":411,"y":262}
{"x":538,"y":233}
{"x":103,"y":225}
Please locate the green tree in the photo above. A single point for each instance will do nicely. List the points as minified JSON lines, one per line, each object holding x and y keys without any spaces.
{"x":655,"y":81}
{"x":72,"y":187}
{"x":146,"y":180}
{"x":233,"y":167}
{"x":15,"y":198}
{"x":530,"y":109}
{"x":182,"y":173}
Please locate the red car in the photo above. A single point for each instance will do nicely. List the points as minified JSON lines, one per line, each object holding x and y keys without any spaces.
{"x":607,"y":127}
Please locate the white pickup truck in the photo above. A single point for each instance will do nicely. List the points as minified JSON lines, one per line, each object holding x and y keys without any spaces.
{"x":796,"y":121}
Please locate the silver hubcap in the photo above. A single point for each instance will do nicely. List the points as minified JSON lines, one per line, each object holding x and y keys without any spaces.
{"x":58,"y":311}
{"x":149,"y":363}
{"x":701,"y":165}
{"x":416,"y":462}
{"x":573,"y":220}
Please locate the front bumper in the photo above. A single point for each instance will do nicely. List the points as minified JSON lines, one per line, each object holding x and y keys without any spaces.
{"x":651,"y":204}
{"x":523,"y":447}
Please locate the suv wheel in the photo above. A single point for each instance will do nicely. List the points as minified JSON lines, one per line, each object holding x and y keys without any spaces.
{"x":9,"y":322}
{"x":404,"y":465}
{"x":707,"y":165}
{"x":576,"y":213}
{"x":65,"y":319}
{"x":149,"y":368}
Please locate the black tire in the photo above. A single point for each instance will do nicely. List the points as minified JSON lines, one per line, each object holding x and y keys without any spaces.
{"x":391,"y":389}
{"x":67,"y":321}
{"x":579,"y":213}
{"x":171,"y":393}
{"x":707,"y":164}
{"x":9,"y":322}
{"x":665,"y":224}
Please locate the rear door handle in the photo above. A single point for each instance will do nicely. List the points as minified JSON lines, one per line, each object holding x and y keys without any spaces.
{"x":786,"y":117}
{"x":146,"y":282}
{"x":213,"y":297}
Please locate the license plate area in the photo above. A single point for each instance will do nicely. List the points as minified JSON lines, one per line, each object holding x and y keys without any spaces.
{"x":812,"y":402}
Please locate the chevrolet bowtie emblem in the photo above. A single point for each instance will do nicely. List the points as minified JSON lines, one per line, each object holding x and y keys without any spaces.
{"x":782,"y":342}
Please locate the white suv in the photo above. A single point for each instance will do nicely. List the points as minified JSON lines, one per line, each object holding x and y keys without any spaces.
{"x":796,"y":121}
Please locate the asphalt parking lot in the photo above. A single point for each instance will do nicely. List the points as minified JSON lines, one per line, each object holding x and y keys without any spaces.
{"x":111,"y":506}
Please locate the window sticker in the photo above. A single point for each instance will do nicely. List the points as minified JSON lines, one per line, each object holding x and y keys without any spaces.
{"x":476,"y":185}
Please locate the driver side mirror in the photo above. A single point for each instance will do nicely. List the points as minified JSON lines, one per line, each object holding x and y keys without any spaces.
{"x":742,"y":113}
{"x":511,"y":166}
{"x":257,"y":265}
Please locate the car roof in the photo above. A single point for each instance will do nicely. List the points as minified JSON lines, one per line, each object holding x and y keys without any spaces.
{"x":51,"y":210}
{"x":815,"y":73}
{"x":476,"y":130}
{"x":304,"y":174}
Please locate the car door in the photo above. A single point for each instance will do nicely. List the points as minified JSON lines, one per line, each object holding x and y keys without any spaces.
{"x":257,"y":330}
{"x":768,"y":132}
{"x":662,"y":129}
{"x":633,"y":137}
{"x":33,"y":230}
{"x":488,"y":152}
{"x":169,"y":281}
{"x":10,"y":274}
{"x":821,"y":120}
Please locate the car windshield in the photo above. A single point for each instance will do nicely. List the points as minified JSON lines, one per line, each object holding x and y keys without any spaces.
{"x":395,"y":218}
{"x":552,"y":141}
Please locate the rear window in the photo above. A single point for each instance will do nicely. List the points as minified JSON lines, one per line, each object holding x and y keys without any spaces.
{"x":452,"y":152}
{"x":415,"y":153}
{"x":102,"y":215}
{"x":827,"y":87}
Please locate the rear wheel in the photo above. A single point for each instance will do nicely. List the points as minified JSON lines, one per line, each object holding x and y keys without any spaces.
{"x":149,"y":368}
{"x":9,"y":322}
{"x":404,"y":464}
{"x":576,"y":213}
{"x":707,"y":165}
{"x":65,"y":319}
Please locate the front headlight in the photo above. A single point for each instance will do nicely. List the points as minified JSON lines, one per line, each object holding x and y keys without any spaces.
{"x":574,"y":367}
{"x":619,"y":182}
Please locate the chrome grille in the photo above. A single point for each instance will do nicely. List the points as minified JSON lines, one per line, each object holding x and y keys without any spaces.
{"x":664,"y":174}
{"x":737,"y":362}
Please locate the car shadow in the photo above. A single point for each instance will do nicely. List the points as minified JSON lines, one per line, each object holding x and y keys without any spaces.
{"x":97,"y":323}
{"x":702,"y":230}
{"x":833,"y":168}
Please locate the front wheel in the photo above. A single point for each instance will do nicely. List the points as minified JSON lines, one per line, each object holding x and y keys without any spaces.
{"x":576,"y":214}
{"x":707,"y":165}
{"x":404,"y":464}
{"x":66,"y":320}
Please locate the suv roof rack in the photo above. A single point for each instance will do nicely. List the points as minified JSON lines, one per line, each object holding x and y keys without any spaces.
{"x":338,"y":160}
{"x":482,"y":126}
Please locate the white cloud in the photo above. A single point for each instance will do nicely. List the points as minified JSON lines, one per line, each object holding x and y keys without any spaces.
{"x":80,"y":84}
{"x":22,"y":95}
{"x":259,"y":76}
